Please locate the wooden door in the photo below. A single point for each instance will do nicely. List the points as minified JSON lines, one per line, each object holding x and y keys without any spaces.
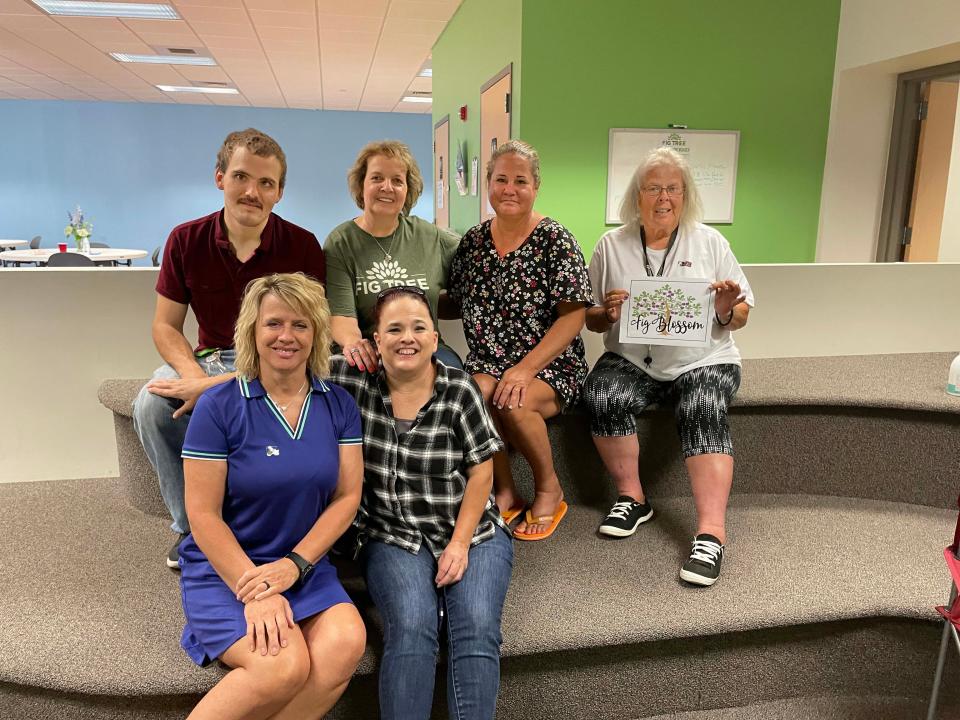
{"x":441,"y":173}
{"x":494,"y":126}
{"x":933,"y":168}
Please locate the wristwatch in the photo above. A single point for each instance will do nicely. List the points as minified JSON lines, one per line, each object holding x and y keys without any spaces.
{"x":303,"y":566}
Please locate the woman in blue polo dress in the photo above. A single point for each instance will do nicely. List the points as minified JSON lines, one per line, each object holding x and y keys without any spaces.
{"x":273,"y":470}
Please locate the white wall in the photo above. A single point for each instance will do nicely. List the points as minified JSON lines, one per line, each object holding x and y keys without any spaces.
{"x":877,"y":40}
{"x":65,"y":330}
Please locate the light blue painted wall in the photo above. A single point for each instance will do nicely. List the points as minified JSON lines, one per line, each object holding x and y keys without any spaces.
{"x":137,"y":170}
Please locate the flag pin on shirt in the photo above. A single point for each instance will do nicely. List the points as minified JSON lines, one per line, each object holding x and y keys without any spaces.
{"x":272,"y":450}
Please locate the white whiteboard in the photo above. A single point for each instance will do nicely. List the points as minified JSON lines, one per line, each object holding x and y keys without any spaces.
{"x":712,"y":155}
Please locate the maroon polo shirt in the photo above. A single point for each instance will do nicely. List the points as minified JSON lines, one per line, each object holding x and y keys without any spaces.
{"x":200,"y":269}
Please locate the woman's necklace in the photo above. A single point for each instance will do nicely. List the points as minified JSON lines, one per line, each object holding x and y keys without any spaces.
{"x":283,"y":408}
{"x":387,"y":254}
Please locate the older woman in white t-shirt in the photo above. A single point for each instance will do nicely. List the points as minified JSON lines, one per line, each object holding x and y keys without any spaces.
{"x":661,"y":236}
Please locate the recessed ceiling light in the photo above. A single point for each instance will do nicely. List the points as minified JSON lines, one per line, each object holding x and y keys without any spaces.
{"x":193,"y":89}
{"x":410,"y":98}
{"x":426,"y":72}
{"x":149,"y":11}
{"x":164,"y":59}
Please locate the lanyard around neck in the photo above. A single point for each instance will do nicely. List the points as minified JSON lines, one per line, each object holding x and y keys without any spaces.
{"x":646,"y":259}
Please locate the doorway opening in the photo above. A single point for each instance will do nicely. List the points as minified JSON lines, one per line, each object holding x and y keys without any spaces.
{"x":920,"y":219}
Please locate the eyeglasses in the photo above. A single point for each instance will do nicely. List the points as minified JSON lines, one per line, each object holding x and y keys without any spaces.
{"x":398,"y":290}
{"x":655,"y":190}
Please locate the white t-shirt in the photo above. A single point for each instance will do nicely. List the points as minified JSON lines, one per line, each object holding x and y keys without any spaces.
{"x":699,"y":252}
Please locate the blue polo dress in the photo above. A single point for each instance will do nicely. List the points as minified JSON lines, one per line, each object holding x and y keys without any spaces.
{"x":279,"y":481}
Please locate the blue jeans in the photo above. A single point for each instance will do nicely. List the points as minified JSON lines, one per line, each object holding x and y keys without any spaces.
{"x":162,"y":436}
{"x":403,"y":589}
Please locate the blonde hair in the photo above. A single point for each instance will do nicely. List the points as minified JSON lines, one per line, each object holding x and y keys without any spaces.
{"x":395,"y":150}
{"x":306,"y":297}
{"x":520,"y":149}
{"x":662,"y":157}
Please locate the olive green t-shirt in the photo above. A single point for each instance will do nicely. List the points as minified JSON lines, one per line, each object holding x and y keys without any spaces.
{"x":419,"y":252}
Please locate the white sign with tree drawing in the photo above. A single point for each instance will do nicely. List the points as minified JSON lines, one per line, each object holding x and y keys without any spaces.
{"x":661,"y":311}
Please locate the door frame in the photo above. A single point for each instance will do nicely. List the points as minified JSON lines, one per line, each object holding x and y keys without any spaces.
{"x":902,"y":159}
{"x":445,"y":180}
{"x":482,"y":169}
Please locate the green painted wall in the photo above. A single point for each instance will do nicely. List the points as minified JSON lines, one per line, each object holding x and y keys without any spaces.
{"x":480,"y":40}
{"x":764,"y":68}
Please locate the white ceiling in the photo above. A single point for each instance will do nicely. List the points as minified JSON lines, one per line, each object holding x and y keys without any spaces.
{"x":315,"y":54}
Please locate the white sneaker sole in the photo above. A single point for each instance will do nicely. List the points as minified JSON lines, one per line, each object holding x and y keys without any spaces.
{"x":617,"y":532}
{"x":695,"y":579}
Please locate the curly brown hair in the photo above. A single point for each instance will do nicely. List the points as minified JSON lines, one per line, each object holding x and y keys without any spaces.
{"x":259,"y":143}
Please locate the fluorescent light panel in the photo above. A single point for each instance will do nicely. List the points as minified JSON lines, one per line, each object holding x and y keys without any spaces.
{"x":412,"y":99}
{"x":194,"y":89}
{"x":164,"y":59}
{"x":149,"y":11}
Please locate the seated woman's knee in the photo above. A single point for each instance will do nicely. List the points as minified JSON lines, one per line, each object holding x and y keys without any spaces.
{"x":487,"y":385}
{"x":280,"y":676}
{"x":598,"y":395}
{"x":349,"y":639}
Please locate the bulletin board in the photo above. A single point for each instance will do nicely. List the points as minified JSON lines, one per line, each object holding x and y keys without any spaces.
{"x":712,"y":155}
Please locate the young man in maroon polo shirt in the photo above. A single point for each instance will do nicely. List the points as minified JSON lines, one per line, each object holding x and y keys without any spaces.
{"x":207,"y":263}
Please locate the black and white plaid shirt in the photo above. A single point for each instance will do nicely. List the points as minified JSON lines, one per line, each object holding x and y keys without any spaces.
{"x":414,"y":483}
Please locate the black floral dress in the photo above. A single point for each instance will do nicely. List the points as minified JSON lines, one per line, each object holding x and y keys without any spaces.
{"x":510,"y":303}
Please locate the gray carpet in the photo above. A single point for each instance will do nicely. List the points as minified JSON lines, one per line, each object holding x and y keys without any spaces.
{"x":828,"y":708}
{"x":90,"y":586}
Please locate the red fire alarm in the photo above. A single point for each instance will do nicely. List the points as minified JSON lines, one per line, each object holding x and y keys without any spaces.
{"x":463,"y":112}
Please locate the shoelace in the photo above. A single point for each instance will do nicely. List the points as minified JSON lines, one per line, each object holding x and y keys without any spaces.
{"x":620,"y":509}
{"x":706,"y":551}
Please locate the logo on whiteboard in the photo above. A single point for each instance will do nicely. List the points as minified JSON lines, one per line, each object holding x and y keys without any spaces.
{"x":676,"y":142}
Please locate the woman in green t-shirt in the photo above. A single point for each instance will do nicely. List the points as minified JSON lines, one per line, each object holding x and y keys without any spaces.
{"x":384,"y":247}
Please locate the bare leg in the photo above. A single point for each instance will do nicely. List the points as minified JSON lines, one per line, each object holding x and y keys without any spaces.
{"x":711,"y":477}
{"x":335,"y":641}
{"x":621,"y":456}
{"x":504,"y":490}
{"x":526,"y":429}
{"x":259,"y":685}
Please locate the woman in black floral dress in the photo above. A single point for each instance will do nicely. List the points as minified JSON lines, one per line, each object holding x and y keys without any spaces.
{"x":523,"y":289}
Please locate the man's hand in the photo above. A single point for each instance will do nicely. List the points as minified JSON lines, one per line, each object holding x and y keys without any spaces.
{"x":186,"y":389}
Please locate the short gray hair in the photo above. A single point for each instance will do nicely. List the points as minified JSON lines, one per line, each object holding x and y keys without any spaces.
{"x":524,"y":150}
{"x":692,"y":210}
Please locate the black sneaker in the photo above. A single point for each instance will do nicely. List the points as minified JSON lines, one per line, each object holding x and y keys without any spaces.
{"x":173,"y":557}
{"x":703,"y":565}
{"x":625,"y":517}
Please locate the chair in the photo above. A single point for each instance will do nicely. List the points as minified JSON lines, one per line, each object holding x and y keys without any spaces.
{"x":951,"y":617}
{"x":35,"y":243}
{"x":155,"y":258}
{"x":98,"y":245}
{"x":69,"y":259}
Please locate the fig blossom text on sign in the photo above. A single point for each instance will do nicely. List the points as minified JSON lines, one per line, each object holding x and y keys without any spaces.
{"x":661,"y":311}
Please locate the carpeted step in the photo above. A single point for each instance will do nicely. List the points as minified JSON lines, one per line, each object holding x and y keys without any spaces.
{"x":88,"y":585}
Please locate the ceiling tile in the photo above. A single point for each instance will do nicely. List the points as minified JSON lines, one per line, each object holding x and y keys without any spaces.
{"x":223,"y":4}
{"x":300,"y":6}
{"x":366,"y":8}
{"x":18,"y":7}
{"x":352,"y":23}
{"x":419,"y":10}
{"x":271,"y":18}
{"x":335,"y":54}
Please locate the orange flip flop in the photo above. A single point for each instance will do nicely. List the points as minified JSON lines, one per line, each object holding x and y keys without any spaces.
{"x":513,"y":513}
{"x":551,"y":520}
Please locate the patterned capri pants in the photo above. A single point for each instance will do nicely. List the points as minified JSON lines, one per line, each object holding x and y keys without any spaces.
{"x":616,"y":390}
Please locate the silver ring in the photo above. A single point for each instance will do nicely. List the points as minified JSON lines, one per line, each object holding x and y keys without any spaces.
{"x":355,"y":351}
